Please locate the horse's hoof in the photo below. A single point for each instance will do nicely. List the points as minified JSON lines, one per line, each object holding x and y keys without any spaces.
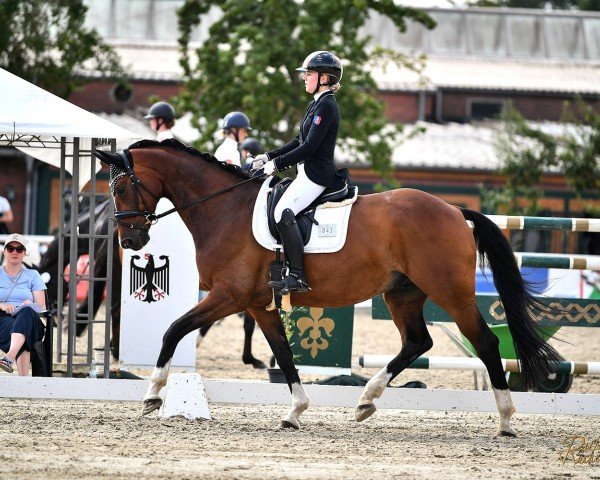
{"x":258,"y":364}
{"x":150,"y":405}
{"x":286,"y":424}
{"x":506,"y":433}
{"x":364,"y":411}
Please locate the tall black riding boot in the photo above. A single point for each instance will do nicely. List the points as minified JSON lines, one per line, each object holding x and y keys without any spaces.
{"x":293,"y":246}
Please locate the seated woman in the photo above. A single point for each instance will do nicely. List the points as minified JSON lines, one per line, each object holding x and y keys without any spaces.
{"x":21,"y":299}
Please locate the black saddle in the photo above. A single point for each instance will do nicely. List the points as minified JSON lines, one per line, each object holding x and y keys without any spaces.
{"x":306,"y":218}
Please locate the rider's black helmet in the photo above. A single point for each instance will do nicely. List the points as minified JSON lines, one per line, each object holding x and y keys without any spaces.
{"x":253,"y":146}
{"x":323,"y":62}
{"x":236,"y":120}
{"x":162,"y":110}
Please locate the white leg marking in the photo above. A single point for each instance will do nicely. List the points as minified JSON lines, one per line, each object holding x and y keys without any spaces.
{"x":158,"y":379}
{"x":375,"y":387}
{"x":506,"y":410}
{"x":299,"y":404}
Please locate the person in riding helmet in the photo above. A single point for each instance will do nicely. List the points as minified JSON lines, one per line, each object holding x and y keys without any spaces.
{"x":161,"y":116}
{"x":312,"y":152}
{"x":250,"y":148}
{"x":236,"y":127}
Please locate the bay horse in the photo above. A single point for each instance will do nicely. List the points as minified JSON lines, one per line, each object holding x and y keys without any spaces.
{"x":405,"y":244}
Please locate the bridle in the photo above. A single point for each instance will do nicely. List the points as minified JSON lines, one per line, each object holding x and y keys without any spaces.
{"x":151,"y":216}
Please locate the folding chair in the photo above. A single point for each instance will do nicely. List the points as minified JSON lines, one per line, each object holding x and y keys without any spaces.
{"x":41,"y":354}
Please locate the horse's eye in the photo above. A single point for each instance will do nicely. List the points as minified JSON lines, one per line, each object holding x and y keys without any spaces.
{"x":121,"y":190}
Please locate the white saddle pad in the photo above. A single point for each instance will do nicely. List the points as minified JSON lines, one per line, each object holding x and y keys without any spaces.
{"x":327,"y":237}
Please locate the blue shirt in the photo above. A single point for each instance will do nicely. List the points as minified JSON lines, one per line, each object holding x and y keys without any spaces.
{"x":29,"y":281}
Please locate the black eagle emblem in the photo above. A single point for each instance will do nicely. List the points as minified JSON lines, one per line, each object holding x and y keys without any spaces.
{"x":149,"y":283}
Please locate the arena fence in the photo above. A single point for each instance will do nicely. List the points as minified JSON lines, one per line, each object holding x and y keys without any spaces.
{"x":264,"y":393}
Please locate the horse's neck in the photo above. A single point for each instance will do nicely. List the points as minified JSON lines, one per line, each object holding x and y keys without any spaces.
{"x":207,"y":219}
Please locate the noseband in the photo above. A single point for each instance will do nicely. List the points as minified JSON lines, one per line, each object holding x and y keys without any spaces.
{"x":152,"y":217}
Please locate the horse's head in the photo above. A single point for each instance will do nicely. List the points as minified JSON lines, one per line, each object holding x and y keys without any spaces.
{"x":135,"y":194}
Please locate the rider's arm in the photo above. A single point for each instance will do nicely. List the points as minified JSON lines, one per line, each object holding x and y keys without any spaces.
{"x":288,"y":147}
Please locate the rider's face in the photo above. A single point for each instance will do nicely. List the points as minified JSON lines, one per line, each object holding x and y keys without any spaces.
{"x":310,"y":80}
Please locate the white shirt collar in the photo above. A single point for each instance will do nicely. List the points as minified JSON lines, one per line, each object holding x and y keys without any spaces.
{"x":320,"y":94}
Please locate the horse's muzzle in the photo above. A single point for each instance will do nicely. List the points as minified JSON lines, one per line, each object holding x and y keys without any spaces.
{"x":136,"y":243}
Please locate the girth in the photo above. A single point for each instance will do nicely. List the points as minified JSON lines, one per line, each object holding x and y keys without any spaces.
{"x":306,"y":218}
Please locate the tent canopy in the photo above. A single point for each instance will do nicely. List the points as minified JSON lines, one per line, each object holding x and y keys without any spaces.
{"x":32,"y":119}
{"x":30,"y":110}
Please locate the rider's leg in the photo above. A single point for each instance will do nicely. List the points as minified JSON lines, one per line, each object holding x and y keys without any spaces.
{"x":299,"y":195}
{"x":293,"y":245}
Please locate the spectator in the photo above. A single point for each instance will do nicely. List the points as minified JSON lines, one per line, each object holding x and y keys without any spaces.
{"x":236,"y":127}
{"x":6,"y":216}
{"x":161,"y":116}
{"x":21,"y":299}
{"x":251,"y":147}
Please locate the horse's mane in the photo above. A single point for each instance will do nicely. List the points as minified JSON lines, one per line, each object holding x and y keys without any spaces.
{"x":177,"y":145}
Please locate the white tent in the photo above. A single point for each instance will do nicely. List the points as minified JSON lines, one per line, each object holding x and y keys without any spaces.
{"x":33,"y":119}
{"x":57,"y":132}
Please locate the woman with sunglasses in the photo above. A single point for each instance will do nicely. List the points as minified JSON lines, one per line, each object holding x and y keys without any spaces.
{"x":21,"y":299}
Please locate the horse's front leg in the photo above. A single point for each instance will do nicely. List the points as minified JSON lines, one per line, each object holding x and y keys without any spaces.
{"x":272,"y":327}
{"x":216,"y":305}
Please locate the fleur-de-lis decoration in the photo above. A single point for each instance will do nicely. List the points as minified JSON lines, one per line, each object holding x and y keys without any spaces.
{"x":315,"y":341}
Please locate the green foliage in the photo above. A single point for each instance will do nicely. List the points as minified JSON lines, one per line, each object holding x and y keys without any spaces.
{"x":249,"y":62}
{"x":526,"y":153}
{"x":556,"y":4}
{"x":45,"y":42}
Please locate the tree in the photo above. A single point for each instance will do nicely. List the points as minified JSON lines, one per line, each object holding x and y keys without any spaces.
{"x":46,"y":43}
{"x":557,"y":4}
{"x":526,"y":152}
{"x":248,"y":64}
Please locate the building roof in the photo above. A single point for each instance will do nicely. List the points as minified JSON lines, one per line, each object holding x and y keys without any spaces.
{"x":509,"y":75}
{"x":454,"y":146}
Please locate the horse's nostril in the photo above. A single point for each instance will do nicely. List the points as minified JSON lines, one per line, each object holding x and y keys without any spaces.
{"x":126,"y":243}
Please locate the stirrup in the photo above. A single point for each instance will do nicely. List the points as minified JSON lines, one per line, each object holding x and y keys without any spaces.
{"x":291,"y":283}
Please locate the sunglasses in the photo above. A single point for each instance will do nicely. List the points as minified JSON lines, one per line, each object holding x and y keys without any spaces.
{"x":11,"y":249}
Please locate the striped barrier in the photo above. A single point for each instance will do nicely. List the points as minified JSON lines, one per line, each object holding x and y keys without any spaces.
{"x":468,"y":363}
{"x":546,"y":223}
{"x":556,"y":260}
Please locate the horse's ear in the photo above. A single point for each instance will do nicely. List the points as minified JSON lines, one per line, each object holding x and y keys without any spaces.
{"x":110,"y":158}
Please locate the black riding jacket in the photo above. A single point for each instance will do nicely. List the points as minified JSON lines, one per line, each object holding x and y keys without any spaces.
{"x":315,"y":143}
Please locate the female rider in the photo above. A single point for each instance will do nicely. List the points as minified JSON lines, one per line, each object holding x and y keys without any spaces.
{"x":312,"y":152}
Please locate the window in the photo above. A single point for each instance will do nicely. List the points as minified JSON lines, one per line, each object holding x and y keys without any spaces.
{"x":480,"y":109}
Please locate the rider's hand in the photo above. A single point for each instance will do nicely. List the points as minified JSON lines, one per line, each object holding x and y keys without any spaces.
{"x":269,"y":167}
{"x":259,"y":161}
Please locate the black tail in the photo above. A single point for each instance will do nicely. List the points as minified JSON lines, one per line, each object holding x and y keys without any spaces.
{"x":517,"y":298}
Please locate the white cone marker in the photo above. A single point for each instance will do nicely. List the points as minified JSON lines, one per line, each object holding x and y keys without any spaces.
{"x":185,"y":397}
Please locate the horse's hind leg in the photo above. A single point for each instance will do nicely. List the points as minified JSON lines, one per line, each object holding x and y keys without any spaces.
{"x":473,"y":327}
{"x":247,"y":356}
{"x":406,"y":307}
{"x":271,"y":325}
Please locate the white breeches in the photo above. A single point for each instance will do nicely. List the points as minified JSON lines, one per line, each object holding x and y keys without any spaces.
{"x":299,"y":195}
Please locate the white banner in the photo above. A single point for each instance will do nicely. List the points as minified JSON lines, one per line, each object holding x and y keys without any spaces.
{"x":160,"y":284}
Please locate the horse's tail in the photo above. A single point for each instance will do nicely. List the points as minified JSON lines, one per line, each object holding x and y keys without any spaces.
{"x":517,"y":298}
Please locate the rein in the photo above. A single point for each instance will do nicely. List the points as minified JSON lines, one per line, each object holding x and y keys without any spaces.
{"x":152,"y":217}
